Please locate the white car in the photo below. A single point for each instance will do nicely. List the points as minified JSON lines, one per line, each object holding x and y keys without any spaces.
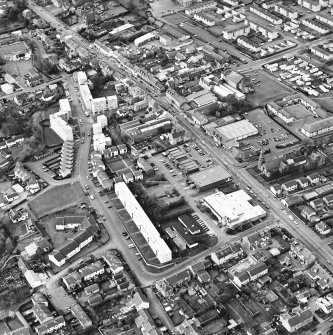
{"x":291,"y":217}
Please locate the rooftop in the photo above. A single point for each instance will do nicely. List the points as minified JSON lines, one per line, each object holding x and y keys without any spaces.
{"x":210,"y":176}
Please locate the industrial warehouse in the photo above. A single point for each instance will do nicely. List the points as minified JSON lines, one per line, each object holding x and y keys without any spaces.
{"x":210,"y":178}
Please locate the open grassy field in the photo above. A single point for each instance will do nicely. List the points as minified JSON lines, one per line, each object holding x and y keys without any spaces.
{"x":57,"y":198}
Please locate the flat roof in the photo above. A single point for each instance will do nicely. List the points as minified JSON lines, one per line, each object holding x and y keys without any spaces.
{"x":235,"y":206}
{"x":210,"y":176}
{"x":236,"y":130}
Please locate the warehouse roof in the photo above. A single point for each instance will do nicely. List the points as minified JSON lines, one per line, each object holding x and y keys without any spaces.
{"x":240,"y":129}
{"x":210,"y":176}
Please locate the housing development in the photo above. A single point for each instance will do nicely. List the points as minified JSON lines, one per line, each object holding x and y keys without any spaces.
{"x":166,"y":167}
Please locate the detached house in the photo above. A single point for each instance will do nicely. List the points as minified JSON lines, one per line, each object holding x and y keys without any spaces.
{"x":328,"y":199}
{"x":308,"y":213}
{"x":122,"y":149}
{"x":303,"y":182}
{"x":276,"y":189}
{"x":314,"y":178}
{"x":290,"y":186}
{"x":317,"y":204}
{"x":323,"y":228}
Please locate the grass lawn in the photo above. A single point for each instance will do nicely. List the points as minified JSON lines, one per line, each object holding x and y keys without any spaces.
{"x":56,"y":198}
{"x":51,"y":139}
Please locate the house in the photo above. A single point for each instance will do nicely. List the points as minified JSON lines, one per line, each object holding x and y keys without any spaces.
{"x":113,"y":262}
{"x":276,"y":189}
{"x":128,"y":177}
{"x":313,"y":178}
{"x":303,"y":182}
{"x":122,"y":149}
{"x":92,"y":271}
{"x":257,"y":270}
{"x":95,"y":300}
{"x":240,"y":278}
{"x":179,"y":279}
{"x":32,"y":185}
{"x":290,"y":186}
{"x":296,"y":319}
{"x":308,"y":212}
{"x":227,"y":253}
{"x":18,"y":215}
{"x":203,"y":277}
{"x":72,"y":280}
{"x":91,"y":289}
{"x":139,"y":300}
{"x":138,"y":175}
{"x":328,"y":199}
{"x":322,"y":228}
{"x":317,"y":204}
{"x":51,"y":325}
{"x":145,"y":166}
{"x":11,"y":197}
{"x":113,"y":151}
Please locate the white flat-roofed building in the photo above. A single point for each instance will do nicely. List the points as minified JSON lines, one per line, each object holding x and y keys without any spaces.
{"x":97,"y":128}
{"x":81,"y":78}
{"x":146,"y":227}
{"x":234,"y":209}
{"x":234,"y":31}
{"x":7,"y":88}
{"x":65,"y":107}
{"x":112,"y":101}
{"x":312,"y":5}
{"x":102,"y":120}
{"x":98,"y":105}
{"x":86,"y":96}
{"x":61,"y":128}
{"x":119,"y":29}
{"x":258,"y":26}
{"x":236,"y":131}
{"x":145,"y":38}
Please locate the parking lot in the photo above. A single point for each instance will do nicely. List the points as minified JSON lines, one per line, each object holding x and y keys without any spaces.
{"x":266,"y":89}
{"x":272,"y":135}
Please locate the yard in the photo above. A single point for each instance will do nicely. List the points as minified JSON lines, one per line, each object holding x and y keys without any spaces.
{"x":57,"y":198}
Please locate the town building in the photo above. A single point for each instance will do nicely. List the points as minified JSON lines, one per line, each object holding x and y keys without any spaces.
{"x":146,"y":227}
{"x":296,"y":319}
{"x":286,"y":11}
{"x":233,"y":209}
{"x":227,"y":253}
{"x":210,"y":178}
{"x":78,"y":241}
{"x":265,"y":14}
{"x":61,"y":128}
{"x":312,"y":5}
{"x":86,"y":96}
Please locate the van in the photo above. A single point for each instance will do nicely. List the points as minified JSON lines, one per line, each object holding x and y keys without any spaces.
{"x":131,"y":246}
{"x":92,"y":197}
